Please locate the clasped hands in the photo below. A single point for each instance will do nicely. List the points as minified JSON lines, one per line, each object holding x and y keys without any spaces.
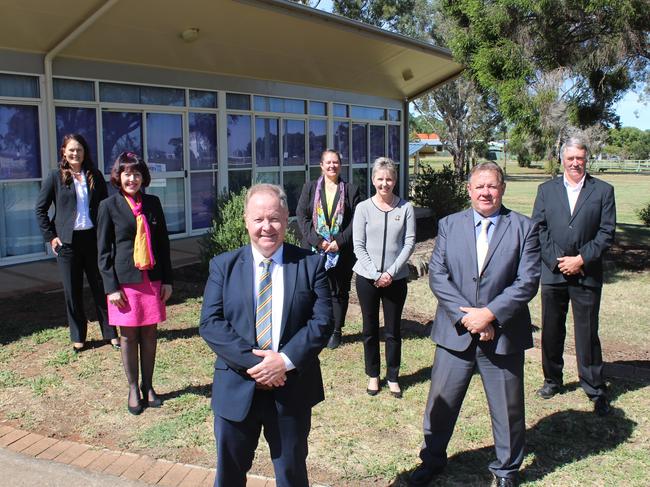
{"x":270,"y":372}
{"x":331,"y":247}
{"x":118,"y":298}
{"x":479,"y":320}
{"x":571,"y":265}
{"x":384,"y":280}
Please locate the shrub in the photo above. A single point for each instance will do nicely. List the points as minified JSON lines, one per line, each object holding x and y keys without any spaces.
{"x":644,"y":214}
{"x":443,"y":191}
{"x":228,"y":231}
{"x":552,"y":167}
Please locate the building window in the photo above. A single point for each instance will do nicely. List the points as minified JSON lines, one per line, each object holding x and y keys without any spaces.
{"x":394,"y":142}
{"x":203,"y":190}
{"x":394,"y":115}
{"x":237,"y":101}
{"x":267,"y":142}
{"x":203,"y":99}
{"x":19,"y":232}
{"x":121,"y":131}
{"x":359,"y":143}
{"x":203,"y":140}
{"x":279,"y":105}
{"x":341,"y":140}
{"x":171,"y":192}
{"x":239,"y":141}
{"x":293,"y":142}
{"x":367,"y":113}
{"x":318,"y":108}
{"x":165,"y":142}
{"x":19,"y":86}
{"x":70,"y":120}
{"x":74,"y":89}
{"x":377,"y":142}
{"x":317,"y":140}
{"x":145,"y":95}
{"x":340,"y":110}
{"x":20,"y":148}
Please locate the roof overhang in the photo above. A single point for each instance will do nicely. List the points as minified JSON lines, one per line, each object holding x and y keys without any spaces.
{"x":260,"y":39}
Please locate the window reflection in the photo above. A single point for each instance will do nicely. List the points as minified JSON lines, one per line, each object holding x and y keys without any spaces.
{"x":165,"y":141}
{"x":238,"y":180}
{"x":172,"y":196}
{"x":122,"y":131}
{"x":203,"y":140}
{"x":359,"y":143}
{"x":394,"y":142}
{"x":239,"y":141}
{"x":293,"y":182}
{"x":377,"y":142}
{"x":203,"y":187}
{"x":369,"y":113}
{"x":20,"y":147}
{"x":341,"y":140}
{"x":19,"y":232}
{"x":78,"y":120}
{"x":317,"y":140}
{"x":267,"y":143}
{"x":293,"y":141}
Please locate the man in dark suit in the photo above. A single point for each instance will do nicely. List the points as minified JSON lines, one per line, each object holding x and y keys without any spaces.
{"x":267,"y":314}
{"x":577,"y":219}
{"x":484,"y":270}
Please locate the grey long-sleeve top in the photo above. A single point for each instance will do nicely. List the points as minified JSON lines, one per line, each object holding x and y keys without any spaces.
{"x":383,"y":240}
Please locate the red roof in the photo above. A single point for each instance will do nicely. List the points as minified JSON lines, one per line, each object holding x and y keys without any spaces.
{"x":428,"y":136}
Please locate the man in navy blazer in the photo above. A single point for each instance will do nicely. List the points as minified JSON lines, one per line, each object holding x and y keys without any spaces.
{"x":577,"y":219}
{"x":482,"y":323}
{"x":274,"y":388}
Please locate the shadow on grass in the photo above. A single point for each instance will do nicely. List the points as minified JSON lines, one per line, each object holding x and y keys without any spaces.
{"x":556,"y":440}
{"x":204,"y":390}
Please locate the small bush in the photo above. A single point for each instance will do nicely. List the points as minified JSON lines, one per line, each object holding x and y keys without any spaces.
{"x":552,"y":167}
{"x":228,"y":230}
{"x":443,"y":191}
{"x":644,"y":214}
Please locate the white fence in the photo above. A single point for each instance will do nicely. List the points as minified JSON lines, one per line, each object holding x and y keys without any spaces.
{"x":614,"y":165}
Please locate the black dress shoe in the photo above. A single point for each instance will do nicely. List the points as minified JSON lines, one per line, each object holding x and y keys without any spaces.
{"x":505,"y":482}
{"x":423,"y":475}
{"x":601,"y":406}
{"x":76,"y":350}
{"x":135,"y":410}
{"x":549,"y":390}
{"x":155,"y":403}
{"x":334,"y":341}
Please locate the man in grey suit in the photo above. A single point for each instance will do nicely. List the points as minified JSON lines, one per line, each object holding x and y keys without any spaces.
{"x":484,"y":270}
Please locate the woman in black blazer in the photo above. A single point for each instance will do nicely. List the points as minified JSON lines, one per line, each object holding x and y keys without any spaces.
{"x":135,"y":265}
{"x":325,"y":210}
{"x":76,"y":187}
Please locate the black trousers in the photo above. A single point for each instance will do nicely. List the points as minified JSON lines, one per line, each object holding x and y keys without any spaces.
{"x":73,"y":260}
{"x":339,"y":278}
{"x":286,"y":436}
{"x":585,"y":303}
{"x":392,"y":298}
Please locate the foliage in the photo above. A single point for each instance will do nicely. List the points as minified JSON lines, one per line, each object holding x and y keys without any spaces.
{"x":444,"y":191}
{"x":644,"y":214}
{"x":228,"y":231}
{"x":629,"y":143}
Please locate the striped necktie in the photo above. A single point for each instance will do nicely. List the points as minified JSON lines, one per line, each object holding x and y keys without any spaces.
{"x":263,"y":317}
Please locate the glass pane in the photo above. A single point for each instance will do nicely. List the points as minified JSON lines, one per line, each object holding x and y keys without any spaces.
{"x":122,"y":131}
{"x":340,"y":110}
{"x":153,"y":95}
{"x":377,"y":142}
{"x":239,"y":141}
{"x":203,"y":140}
{"x":267,"y":143}
{"x":293,"y":140}
{"x":314,"y":173}
{"x":360,"y":178}
{"x":113,"y":92}
{"x":369,"y":113}
{"x":165,"y":141}
{"x":70,"y":120}
{"x":281,"y":105}
{"x":341,"y":140}
{"x":317,"y":108}
{"x":394,"y":142}
{"x":238,"y":180}
{"x":203,"y":99}
{"x":19,"y":86}
{"x":20,"y":147}
{"x":19,"y":232}
{"x":74,"y":89}
{"x":235,"y":101}
{"x":394,"y":115}
{"x":268,"y":177}
{"x":172,"y":196}
{"x":317,"y":140}
{"x":203,"y":187}
{"x":293,"y":182}
{"x":359,"y":143}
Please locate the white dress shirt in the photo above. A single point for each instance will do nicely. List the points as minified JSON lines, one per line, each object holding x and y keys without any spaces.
{"x":82,"y":221}
{"x":277,"y":296}
{"x":573,"y":191}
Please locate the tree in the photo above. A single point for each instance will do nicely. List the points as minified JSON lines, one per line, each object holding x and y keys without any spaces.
{"x":554,"y":66}
{"x":629,"y":143}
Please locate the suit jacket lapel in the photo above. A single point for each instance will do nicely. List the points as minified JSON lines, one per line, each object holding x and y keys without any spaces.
{"x":499,"y":232}
{"x":290,"y":274}
{"x":249,"y":288}
{"x":584,"y":194}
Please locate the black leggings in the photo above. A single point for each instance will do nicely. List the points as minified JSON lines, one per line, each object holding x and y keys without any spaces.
{"x":392,"y":299}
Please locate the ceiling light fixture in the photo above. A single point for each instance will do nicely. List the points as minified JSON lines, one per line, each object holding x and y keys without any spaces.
{"x":190,"y":35}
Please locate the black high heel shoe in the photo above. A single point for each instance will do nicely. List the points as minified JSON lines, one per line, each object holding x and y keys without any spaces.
{"x":156,"y":403}
{"x":135,"y":410}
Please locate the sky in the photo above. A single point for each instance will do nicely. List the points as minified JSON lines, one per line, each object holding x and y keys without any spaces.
{"x":631,"y":112}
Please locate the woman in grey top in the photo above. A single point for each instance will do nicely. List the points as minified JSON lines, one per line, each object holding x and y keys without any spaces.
{"x":384,"y":237}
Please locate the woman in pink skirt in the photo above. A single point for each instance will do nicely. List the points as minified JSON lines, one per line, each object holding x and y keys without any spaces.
{"x":136,"y":269}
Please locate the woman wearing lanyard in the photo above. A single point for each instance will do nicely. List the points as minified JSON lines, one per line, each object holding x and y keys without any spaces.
{"x":384,"y":239}
{"x":76,"y":188}
{"x":325,"y":212}
{"x":135,"y":264}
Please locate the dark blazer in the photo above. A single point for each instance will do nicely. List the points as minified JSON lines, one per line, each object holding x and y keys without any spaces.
{"x":589,"y":231}
{"x":116,"y":229}
{"x":228,"y":326}
{"x":65,"y":205}
{"x":304,"y":214}
{"x":509,"y":280}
